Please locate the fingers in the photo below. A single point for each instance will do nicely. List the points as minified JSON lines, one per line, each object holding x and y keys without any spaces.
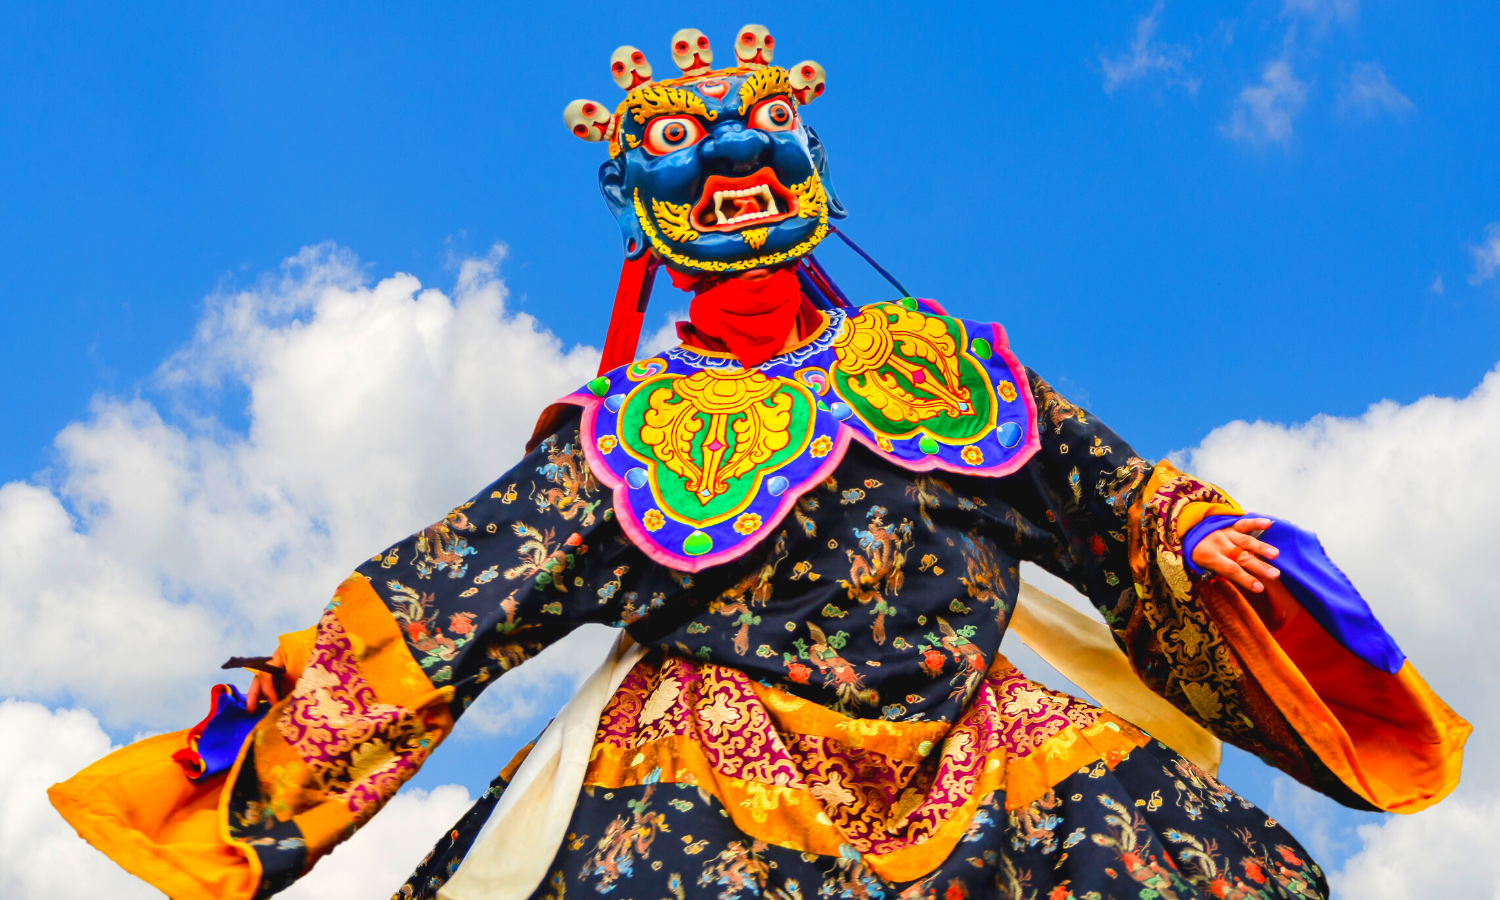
{"x":1256,"y":566}
{"x":263,"y":685}
{"x":1245,"y":526}
{"x":1228,"y":568}
{"x":1254,"y":545}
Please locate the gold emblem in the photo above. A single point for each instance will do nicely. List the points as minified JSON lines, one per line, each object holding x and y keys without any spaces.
{"x":867,"y":354}
{"x":742,"y":402}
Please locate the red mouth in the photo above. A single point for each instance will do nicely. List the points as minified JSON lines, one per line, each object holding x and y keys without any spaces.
{"x":730,"y":204}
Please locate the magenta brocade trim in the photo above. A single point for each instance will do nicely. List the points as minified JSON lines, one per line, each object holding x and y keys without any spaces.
{"x":880,"y":799}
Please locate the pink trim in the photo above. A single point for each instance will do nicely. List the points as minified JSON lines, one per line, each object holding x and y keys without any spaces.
{"x":1033,"y":441}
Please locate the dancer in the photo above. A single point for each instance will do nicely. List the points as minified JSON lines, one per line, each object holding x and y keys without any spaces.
{"x":808,"y":518}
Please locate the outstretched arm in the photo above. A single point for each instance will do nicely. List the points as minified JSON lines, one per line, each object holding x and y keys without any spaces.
{"x":1213,"y":627}
{"x":408,"y":641}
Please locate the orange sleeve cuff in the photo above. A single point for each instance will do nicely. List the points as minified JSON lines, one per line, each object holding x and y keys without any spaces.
{"x":296,"y":649}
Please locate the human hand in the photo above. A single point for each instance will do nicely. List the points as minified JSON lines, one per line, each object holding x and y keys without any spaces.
{"x":1233,"y":553}
{"x":264,"y":684}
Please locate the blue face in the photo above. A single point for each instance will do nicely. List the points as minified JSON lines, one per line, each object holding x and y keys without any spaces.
{"x":719,"y":173}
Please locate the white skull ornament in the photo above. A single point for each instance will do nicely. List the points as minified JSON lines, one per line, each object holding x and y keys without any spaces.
{"x":629,"y":67}
{"x":808,"y":80}
{"x":691,"y":52}
{"x":587,"y":119}
{"x":754,"y":46}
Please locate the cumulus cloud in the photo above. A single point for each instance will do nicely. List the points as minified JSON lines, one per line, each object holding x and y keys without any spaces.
{"x":1147,"y":56}
{"x":1486,"y":255}
{"x":1263,"y":112}
{"x":1322,"y":10}
{"x":161,"y":542}
{"x":41,"y":857}
{"x":382,"y":855}
{"x":1392,"y":494}
{"x":1369,"y":91}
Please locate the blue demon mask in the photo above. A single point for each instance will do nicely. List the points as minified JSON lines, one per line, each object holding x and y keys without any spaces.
{"x":715,"y":171}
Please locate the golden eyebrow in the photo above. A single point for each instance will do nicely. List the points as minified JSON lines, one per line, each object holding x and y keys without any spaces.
{"x":764,"y":83}
{"x":648,"y":101}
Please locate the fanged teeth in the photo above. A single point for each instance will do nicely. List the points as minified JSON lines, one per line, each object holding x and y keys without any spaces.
{"x":760,"y":192}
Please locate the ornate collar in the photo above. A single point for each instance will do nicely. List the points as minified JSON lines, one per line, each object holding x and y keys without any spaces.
{"x":706,"y":457}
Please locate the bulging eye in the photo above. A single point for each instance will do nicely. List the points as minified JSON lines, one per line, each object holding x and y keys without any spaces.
{"x":773,"y":115}
{"x":672,"y":133}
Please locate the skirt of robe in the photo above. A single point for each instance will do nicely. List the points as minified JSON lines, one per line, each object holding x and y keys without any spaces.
{"x":1143,"y":823}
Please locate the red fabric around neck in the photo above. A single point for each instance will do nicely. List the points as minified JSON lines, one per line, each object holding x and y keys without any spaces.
{"x":751,"y":318}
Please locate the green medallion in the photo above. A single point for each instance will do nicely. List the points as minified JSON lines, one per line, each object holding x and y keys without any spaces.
{"x":707,"y":440}
{"x":906,"y":372}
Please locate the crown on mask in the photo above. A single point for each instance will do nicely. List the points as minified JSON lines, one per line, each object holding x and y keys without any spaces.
{"x":754,"y":48}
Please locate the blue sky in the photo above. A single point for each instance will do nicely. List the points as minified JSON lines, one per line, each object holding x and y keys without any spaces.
{"x":1184,"y":214}
{"x":151,"y":153}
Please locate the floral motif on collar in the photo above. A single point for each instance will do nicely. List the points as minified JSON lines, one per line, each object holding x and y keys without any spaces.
{"x":706,"y":457}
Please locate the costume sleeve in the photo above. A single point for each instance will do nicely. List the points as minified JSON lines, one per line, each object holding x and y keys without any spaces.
{"x":1259,"y":671}
{"x":408,"y":641}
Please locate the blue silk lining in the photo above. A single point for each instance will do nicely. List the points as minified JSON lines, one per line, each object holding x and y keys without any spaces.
{"x":225,"y":731}
{"x":1325,"y":592}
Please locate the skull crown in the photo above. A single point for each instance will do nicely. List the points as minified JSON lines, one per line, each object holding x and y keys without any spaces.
{"x":754,"y":48}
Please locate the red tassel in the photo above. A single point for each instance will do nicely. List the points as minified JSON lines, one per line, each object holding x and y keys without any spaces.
{"x":631,"y":297}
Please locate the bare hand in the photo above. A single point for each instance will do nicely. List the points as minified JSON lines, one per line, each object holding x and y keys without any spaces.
{"x":264,"y":685}
{"x":1234,"y":554}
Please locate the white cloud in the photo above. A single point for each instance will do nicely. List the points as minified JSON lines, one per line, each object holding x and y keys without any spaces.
{"x":1146,"y":56}
{"x":1263,"y":112}
{"x":41,"y":857}
{"x":1437,"y":286}
{"x":381,"y":856}
{"x":372,"y":410}
{"x":160,"y":543}
{"x":1447,"y":852}
{"x":1322,"y":10}
{"x":1486,"y":255}
{"x":1369,"y":91}
{"x":1395,"y":495}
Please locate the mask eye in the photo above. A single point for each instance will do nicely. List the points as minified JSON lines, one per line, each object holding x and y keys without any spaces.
{"x":672,"y":133}
{"x":773,"y":115}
